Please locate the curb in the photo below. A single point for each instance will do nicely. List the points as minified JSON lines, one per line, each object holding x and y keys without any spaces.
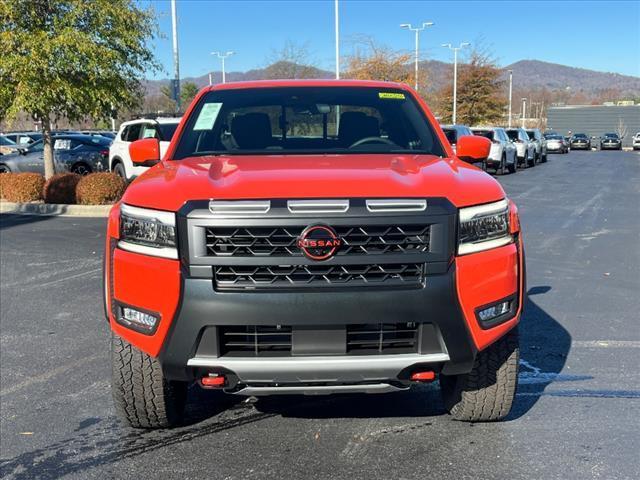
{"x":55,"y":209}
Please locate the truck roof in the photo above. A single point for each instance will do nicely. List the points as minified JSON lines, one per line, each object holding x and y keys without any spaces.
{"x":307,"y":83}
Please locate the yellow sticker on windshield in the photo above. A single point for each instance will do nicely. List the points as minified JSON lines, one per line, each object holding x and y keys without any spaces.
{"x":391,"y":95}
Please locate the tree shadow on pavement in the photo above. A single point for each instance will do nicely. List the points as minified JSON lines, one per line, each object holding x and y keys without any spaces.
{"x":8,"y":220}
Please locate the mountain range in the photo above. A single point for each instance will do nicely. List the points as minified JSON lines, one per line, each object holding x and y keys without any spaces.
{"x":527,"y":75}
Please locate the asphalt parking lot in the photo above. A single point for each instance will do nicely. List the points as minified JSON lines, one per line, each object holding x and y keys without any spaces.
{"x":577,"y":413}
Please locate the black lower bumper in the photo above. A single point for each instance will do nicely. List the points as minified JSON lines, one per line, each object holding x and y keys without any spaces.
{"x":446,"y":344}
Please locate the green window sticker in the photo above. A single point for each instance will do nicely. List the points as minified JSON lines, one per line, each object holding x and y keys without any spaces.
{"x":207,"y":116}
{"x":391,"y":95}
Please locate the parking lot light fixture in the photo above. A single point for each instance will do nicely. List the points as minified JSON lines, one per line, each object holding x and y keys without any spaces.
{"x":417,"y":30}
{"x":223,"y":56}
{"x":455,"y":74}
{"x":510,"y":95}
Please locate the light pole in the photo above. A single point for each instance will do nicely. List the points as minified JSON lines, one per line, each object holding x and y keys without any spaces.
{"x":176,"y":62}
{"x":337,"y":34}
{"x":455,"y":74}
{"x":524,"y":110}
{"x":223,"y":56}
{"x":417,"y":30}
{"x":510,"y":94}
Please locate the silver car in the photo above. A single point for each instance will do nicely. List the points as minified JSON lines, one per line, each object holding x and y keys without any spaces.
{"x":503,"y":155}
{"x":526,"y":148}
{"x":540,"y":143}
{"x":636,"y":141}
{"x":556,"y":143}
{"x":80,"y":154}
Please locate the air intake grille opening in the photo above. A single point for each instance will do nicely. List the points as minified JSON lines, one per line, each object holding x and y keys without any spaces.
{"x":382,"y":338}
{"x":282,"y":241}
{"x":305,"y":276}
{"x":255,"y":341}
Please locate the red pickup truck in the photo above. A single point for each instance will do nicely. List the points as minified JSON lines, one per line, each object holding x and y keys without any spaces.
{"x":312,"y":237}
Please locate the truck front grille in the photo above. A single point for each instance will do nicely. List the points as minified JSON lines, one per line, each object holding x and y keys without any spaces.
{"x":277,"y":340}
{"x":255,"y":341}
{"x":282,"y":241}
{"x":305,"y":276}
{"x":382,"y":338}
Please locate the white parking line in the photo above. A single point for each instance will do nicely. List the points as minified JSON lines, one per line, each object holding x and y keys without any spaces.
{"x":605,"y":343}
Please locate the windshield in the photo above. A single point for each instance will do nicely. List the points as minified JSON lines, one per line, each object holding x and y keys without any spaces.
{"x":579,"y":135}
{"x":554,"y":137}
{"x":307,"y":120}
{"x":484,"y":133}
{"x":4,"y":141}
{"x":532,"y":135}
{"x":36,"y":146}
{"x":513,"y":134}
{"x":167,"y":130}
{"x":611,"y":135}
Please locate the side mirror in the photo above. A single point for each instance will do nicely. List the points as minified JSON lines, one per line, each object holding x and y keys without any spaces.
{"x":145,"y":152}
{"x":22,"y":151}
{"x":473,"y":149}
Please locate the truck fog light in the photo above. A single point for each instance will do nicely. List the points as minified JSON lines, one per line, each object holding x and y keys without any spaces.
{"x":143,"y":322}
{"x":494,"y":311}
{"x":491,"y":315}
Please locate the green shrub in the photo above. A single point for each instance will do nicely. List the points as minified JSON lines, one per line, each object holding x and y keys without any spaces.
{"x":22,"y":187}
{"x":61,"y":188}
{"x":99,"y":189}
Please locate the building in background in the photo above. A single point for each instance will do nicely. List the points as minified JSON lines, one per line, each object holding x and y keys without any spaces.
{"x":595,"y":120}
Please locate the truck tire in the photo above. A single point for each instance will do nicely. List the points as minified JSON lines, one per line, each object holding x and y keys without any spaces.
{"x":486,"y":393}
{"x":142,"y":396}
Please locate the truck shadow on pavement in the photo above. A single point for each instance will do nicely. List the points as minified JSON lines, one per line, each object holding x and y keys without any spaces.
{"x":98,"y":442}
{"x":8,"y":220}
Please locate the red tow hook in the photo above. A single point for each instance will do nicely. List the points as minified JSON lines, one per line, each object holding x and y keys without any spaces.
{"x":423,"y":377}
{"x":213,"y":380}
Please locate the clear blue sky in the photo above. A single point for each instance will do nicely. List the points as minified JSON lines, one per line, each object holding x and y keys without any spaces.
{"x":598,"y":35}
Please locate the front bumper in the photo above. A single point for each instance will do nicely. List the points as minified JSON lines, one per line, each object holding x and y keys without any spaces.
{"x":580,"y":146}
{"x":193,"y":313}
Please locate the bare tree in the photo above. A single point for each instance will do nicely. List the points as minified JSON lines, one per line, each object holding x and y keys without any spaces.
{"x":291,"y":61}
{"x":372,"y":61}
{"x":621,"y":128}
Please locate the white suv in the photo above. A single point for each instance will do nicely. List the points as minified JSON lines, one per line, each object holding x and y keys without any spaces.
{"x":503,"y":155}
{"x":161,"y":128}
{"x":525,"y":147}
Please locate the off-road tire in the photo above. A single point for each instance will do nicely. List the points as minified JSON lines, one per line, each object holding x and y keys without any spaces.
{"x":487,"y":392}
{"x":143,"y":398}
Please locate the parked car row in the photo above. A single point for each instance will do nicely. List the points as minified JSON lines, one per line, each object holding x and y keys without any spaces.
{"x":511,"y":148}
{"x":582,"y":141}
{"x":72,"y":152}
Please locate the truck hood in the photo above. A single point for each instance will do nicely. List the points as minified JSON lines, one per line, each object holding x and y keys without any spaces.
{"x":171,"y":183}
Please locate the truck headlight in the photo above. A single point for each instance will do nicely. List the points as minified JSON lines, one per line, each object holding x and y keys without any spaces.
{"x":483,"y":227}
{"x":150,"y":232}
